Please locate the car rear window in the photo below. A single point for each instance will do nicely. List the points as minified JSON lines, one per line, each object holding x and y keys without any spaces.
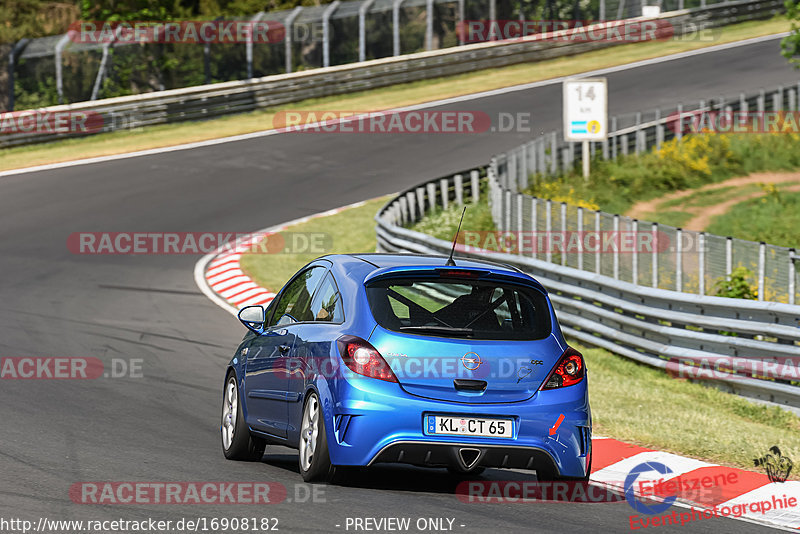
{"x":475,"y":309}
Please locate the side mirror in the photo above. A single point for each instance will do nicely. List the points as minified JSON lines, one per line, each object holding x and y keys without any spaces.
{"x":254,"y":318}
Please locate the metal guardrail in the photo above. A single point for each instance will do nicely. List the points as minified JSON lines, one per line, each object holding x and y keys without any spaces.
{"x":225,"y":98}
{"x":713,"y":339}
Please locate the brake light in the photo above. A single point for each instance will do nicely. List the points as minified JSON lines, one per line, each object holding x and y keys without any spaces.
{"x":569,"y":370}
{"x":460,"y":273}
{"x":362,"y":358}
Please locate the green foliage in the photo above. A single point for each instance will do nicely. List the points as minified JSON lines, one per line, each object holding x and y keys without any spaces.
{"x":738,"y":286}
{"x":774,"y":218}
{"x":790,"y":45}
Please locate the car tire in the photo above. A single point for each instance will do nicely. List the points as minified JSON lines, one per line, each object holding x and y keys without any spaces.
{"x":237,"y":442}
{"x":314,"y":459}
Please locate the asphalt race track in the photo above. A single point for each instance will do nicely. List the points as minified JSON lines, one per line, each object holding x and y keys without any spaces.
{"x":164,"y":426}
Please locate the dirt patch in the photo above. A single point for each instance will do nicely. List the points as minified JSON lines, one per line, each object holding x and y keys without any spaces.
{"x":704,"y":214}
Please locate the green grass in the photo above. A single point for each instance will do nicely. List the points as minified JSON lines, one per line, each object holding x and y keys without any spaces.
{"x":630,"y":402}
{"x":774,"y":219}
{"x":373,"y":100}
{"x":641,"y":405}
{"x":352,"y":231}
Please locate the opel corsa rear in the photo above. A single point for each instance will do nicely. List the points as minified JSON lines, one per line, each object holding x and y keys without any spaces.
{"x":370,"y":358}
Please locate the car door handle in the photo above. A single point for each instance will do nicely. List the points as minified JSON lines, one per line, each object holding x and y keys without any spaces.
{"x":284,"y":348}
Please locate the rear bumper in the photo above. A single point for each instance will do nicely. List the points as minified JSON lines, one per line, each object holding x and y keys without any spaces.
{"x":369,"y":422}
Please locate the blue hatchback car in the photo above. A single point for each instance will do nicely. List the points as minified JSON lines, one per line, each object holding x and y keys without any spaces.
{"x":369,"y":358}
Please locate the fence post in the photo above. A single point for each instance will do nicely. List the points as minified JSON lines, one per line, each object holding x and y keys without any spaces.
{"x":396,"y":27}
{"x":777,"y":99}
{"x":742,"y":102}
{"x":461,"y":16}
{"x":563,"y":233}
{"x":728,"y":257}
{"x":635,"y":252}
{"x":792,"y":275}
{"x":792,"y":99}
{"x":248,"y":51}
{"x":614,"y":138}
{"x":580,"y":238}
{"x":444,"y":184}
{"x":679,"y":126}
{"x":288,"y":37}
{"x":637,"y":135}
{"x":520,"y":199}
{"x":616,"y":247}
{"x":534,"y":222}
{"x":602,"y":15}
{"x":523,"y":168}
{"x":599,"y":239}
{"x":553,"y":153}
{"x":507,"y":212}
{"x":548,"y":229}
{"x":429,"y":25}
{"x":511,"y":170}
{"x":59,"y":67}
{"x":421,"y":201}
{"x":761,"y":101}
{"x":459,"y":186}
{"x":679,"y":260}
{"x":762,"y":268}
{"x":654,"y":228}
{"x":659,"y":129}
{"x":541,"y":161}
{"x":476,"y":192}
{"x":404,"y":210}
{"x":701,"y":262}
{"x":362,"y":29}
{"x":412,"y":206}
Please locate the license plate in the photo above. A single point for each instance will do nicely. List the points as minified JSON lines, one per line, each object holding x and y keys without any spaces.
{"x":469,"y":426}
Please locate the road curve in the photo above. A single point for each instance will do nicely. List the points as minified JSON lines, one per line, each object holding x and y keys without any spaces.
{"x":164,"y":425}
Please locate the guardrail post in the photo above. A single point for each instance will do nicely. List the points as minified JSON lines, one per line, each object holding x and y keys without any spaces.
{"x":679,"y":126}
{"x":624,"y":144}
{"x":604,"y":145}
{"x":792,"y":275}
{"x":616,"y":247}
{"x":581,"y":239}
{"x":728,"y":257}
{"x":701,"y":262}
{"x":523,"y":171}
{"x":511,"y":170}
{"x":396,"y":27}
{"x":792,"y":99}
{"x":431,"y":190}
{"x":637,"y":135}
{"x":597,"y":255}
{"x":762,"y":268}
{"x":654,"y":228}
{"x":287,"y":39}
{"x":553,"y":153}
{"x":679,"y":260}
{"x":614,"y":138}
{"x":404,"y":210}
{"x":777,"y":99}
{"x":534,"y":222}
{"x":506,"y":210}
{"x":444,"y":184}
{"x":548,"y":229}
{"x":362,"y":29}
{"x":326,"y":32}
{"x":635,"y":253}
{"x":761,"y":101}
{"x":473,"y":176}
{"x":520,"y":199}
{"x":541,"y":162}
{"x":59,"y":67}
{"x":459,"y":186}
{"x":563,"y":233}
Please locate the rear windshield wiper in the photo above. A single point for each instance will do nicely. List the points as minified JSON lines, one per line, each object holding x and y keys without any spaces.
{"x":436,"y":329}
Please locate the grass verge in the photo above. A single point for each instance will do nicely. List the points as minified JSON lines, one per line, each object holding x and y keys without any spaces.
{"x":373,"y":100}
{"x":774,"y":218}
{"x":630,"y":401}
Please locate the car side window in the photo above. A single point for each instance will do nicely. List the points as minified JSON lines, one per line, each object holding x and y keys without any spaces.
{"x":327,"y":305}
{"x":295,"y":300}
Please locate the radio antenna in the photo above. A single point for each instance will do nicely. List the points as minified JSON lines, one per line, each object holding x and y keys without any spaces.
{"x":450,"y":262}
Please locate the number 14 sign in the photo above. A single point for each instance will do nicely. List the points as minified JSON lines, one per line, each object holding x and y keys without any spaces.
{"x":585,"y":109}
